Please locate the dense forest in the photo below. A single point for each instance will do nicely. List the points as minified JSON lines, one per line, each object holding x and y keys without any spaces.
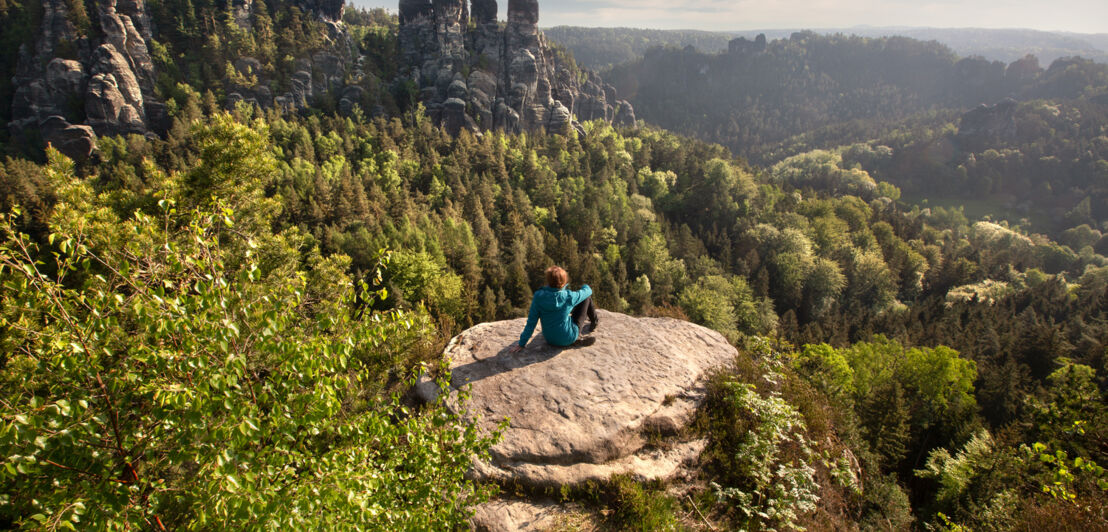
{"x":215,"y":328}
{"x":912,"y":103}
{"x":601,"y":48}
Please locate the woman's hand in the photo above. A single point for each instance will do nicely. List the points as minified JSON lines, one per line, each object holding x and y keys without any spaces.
{"x":515,"y":348}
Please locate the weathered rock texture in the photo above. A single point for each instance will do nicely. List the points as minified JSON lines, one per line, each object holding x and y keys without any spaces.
{"x":335,"y":71}
{"x":581,"y":414}
{"x":515,"y":516}
{"x":473,"y":73}
{"x":65,"y":78}
{"x":72,"y":85}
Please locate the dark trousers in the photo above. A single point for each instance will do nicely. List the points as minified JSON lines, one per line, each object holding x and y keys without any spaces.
{"x":584,"y":309}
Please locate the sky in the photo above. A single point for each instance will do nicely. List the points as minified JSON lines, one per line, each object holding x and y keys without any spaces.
{"x":1077,"y":16}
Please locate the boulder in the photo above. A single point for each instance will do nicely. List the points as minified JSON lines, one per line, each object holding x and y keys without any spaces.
{"x":583,"y":413}
{"x":457,"y":89}
{"x":76,"y":142}
{"x":515,"y":515}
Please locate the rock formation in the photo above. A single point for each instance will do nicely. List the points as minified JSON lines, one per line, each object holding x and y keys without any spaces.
{"x":742,"y":46}
{"x":582,"y":414}
{"x":73,"y":85}
{"x":65,"y":77}
{"x":334,"y":71}
{"x":474,"y":74}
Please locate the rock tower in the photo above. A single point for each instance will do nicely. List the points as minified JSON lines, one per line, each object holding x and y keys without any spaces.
{"x":473,"y":73}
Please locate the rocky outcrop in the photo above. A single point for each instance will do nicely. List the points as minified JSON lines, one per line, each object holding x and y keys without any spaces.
{"x":514,"y":516}
{"x":336,"y":71}
{"x":581,"y":414}
{"x":507,"y":77}
{"x":987,"y":124}
{"x":73,"y":85}
{"x":741,"y":46}
{"x":65,"y":78}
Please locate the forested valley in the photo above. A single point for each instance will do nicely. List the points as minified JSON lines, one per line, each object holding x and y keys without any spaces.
{"x":216,"y":328}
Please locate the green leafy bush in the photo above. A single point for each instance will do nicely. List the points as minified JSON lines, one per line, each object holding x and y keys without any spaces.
{"x":156,"y":376}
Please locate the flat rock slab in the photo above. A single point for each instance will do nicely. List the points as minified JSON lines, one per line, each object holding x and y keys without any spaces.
{"x":525,"y":516}
{"x":583,"y":413}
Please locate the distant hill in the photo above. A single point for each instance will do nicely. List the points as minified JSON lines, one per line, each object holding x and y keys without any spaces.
{"x":603,"y":47}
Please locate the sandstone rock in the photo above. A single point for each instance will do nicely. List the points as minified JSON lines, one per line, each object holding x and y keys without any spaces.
{"x":454,"y":117}
{"x":120,"y":32}
{"x":583,"y":413}
{"x":43,"y":83}
{"x":513,"y":81}
{"x":76,"y":142}
{"x":523,"y":12}
{"x":484,"y":11}
{"x":242,"y":11}
{"x":64,"y":79}
{"x":108,"y":109}
{"x":560,"y":119}
{"x":351,"y":96}
{"x":457,"y":89}
{"x":625,"y":115}
{"x":301,"y":88}
{"x":136,"y":11}
{"x":114,"y":80}
{"x":513,"y":516}
{"x":114,"y":100}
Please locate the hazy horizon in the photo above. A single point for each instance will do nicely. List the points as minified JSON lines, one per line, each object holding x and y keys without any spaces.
{"x":1073,"y":16}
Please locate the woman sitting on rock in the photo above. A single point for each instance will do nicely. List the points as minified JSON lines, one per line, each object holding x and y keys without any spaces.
{"x":562,"y":312}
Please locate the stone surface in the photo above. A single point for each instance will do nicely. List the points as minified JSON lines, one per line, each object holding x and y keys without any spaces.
{"x":512,"y":79}
{"x":76,"y":142}
{"x":106,"y":76}
{"x":584,"y":413}
{"x":108,"y":72}
{"x":513,"y":516}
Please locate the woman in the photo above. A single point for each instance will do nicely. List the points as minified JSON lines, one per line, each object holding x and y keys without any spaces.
{"x":562,"y":311}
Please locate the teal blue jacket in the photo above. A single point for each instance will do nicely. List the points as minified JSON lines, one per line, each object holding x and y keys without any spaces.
{"x":553,"y":306}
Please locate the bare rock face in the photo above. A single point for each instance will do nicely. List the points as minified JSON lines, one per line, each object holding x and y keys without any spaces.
{"x":105,"y":78}
{"x":515,"y":516}
{"x":512,"y":79}
{"x":582,"y":414}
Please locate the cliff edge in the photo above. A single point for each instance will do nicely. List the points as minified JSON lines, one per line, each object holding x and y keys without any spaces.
{"x":584,"y":413}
